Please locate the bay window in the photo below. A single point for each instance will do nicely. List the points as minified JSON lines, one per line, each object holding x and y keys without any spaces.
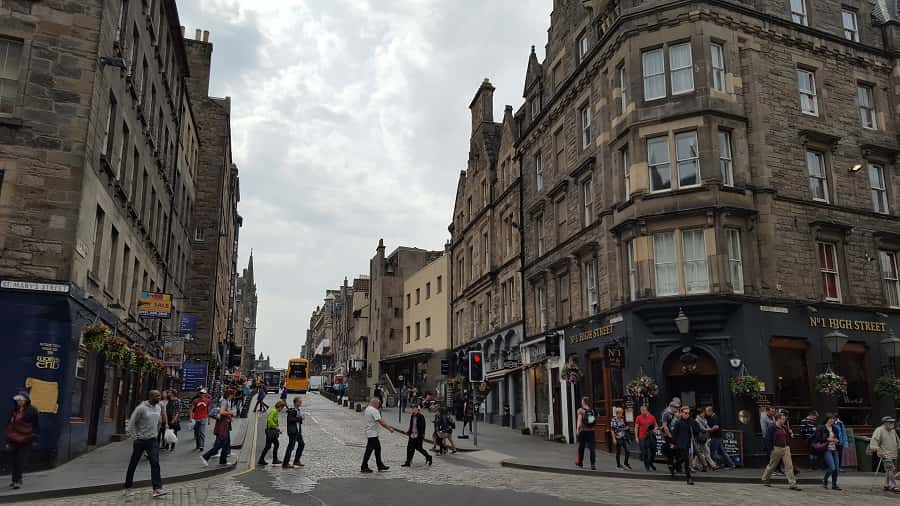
{"x":696,"y":273}
{"x":664,"y":263}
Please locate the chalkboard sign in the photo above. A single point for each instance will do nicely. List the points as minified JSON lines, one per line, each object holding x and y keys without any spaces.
{"x":733,"y":445}
{"x":660,"y":442}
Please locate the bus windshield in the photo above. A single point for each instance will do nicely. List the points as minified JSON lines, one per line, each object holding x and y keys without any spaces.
{"x":297,"y":371}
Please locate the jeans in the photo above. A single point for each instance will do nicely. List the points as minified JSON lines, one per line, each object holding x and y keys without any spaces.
{"x":648,"y":451}
{"x":222,"y":443}
{"x":715,"y":448}
{"x":780,"y":455}
{"x":621,"y":446}
{"x":682,"y":459}
{"x":139,"y":448}
{"x":238,"y":404}
{"x":200,"y":433}
{"x":18,"y":456}
{"x":372,"y":445}
{"x":415,"y":445}
{"x":294,"y":439}
{"x":831,"y":466}
{"x":587,"y":439}
{"x":271,"y":440}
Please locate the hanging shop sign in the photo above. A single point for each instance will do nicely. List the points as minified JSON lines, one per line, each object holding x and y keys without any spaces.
{"x":155,"y":305}
{"x":615,"y":356}
{"x":820,"y":322}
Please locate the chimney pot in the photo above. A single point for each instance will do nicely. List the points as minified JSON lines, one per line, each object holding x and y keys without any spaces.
{"x":182,"y":31}
{"x":205,"y":35}
{"x":197,"y":34}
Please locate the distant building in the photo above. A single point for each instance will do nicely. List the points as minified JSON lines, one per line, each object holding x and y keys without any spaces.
{"x":245,"y":316}
{"x":426,"y":331}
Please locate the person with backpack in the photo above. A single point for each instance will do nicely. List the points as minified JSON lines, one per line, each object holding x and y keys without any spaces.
{"x":584,"y":427}
{"x":223,"y":413}
{"x":199,"y":414}
{"x":21,"y":432}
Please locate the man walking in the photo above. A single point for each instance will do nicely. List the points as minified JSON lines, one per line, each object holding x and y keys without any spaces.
{"x":416,"y":435}
{"x":645,"y":423}
{"x":143,"y":427}
{"x":222,"y":430}
{"x":684,"y":431}
{"x":667,"y":419}
{"x":373,"y":420}
{"x":715,"y":440}
{"x":272,"y":433}
{"x":885,"y":443}
{"x":808,"y":428}
{"x":295,"y":435}
{"x":777,"y":437}
{"x":199,"y":414}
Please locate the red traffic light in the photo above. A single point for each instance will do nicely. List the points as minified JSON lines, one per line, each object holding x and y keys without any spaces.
{"x":476,"y":358}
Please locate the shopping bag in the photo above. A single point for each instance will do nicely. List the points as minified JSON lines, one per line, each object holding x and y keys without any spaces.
{"x":170,"y":437}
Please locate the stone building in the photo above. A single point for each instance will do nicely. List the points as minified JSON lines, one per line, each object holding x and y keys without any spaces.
{"x":386,"y":275}
{"x":359,"y":331}
{"x":215,"y":221}
{"x":710,"y":190}
{"x":486,"y":302}
{"x":98,"y":179}
{"x":245,"y":316}
{"x":426,"y":326}
{"x":323,"y":326}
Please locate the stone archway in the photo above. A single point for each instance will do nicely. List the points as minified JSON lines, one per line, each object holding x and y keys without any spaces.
{"x":692,"y":375}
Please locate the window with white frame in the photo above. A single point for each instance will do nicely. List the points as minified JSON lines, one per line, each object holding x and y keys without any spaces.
{"x":590,"y":286}
{"x":851,"y":26}
{"x":540,"y":303}
{"x":654,"y":68}
{"x":582,"y":47}
{"x":688,"y":159}
{"x":879,"y":189}
{"x":10,"y":70}
{"x":681,"y":68}
{"x":626,"y":171}
{"x":806,"y":80}
{"x":696,"y":272}
{"x":585,"y":115}
{"x":717,"y":61}
{"x":818,"y":180}
{"x":539,"y":172}
{"x":890,"y":278}
{"x":735,"y":261}
{"x":658,"y":163}
{"x":866,"y":100}
{"x":828,"y":268}
{"x":623,"y":90}
{"x":726,"y":162}
{"x":798,"y":12}
{"x":539,"y":224}
{"x":632,"y":270}
{"x":587,"y":192}
{"x":664,"y":263}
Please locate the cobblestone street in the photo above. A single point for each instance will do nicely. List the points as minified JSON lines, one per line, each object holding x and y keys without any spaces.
{"x":334,"y":444}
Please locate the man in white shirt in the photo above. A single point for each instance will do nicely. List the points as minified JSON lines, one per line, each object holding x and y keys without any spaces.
{"x":373,"y":420}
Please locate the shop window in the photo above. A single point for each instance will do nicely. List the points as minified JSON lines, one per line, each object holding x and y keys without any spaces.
{"x":598,"y":386}
{"x":78,"y":385}
{"x":790,"y":370}
{"x":855,"y":407}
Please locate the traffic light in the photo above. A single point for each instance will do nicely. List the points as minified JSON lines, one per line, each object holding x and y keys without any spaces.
{"x":476,"y":367}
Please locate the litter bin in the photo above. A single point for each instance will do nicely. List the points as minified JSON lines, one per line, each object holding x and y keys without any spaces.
{"x":864,"y":460}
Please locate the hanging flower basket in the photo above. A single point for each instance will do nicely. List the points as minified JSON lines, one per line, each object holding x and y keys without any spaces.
{"x":140,"y":359}
{"x":887,"y":387}
{"x":745,"y":386}
{"x":117,"y":351}
{"x":831,"y":384}
{"x":642,"y":388}
{"x":154,"y":366}
{"x":93,"y":336}
{"x":571,"y":373}
{"x":456,"y":382}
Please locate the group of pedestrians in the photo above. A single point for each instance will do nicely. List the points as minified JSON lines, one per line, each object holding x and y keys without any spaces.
{"x":294,"y":426}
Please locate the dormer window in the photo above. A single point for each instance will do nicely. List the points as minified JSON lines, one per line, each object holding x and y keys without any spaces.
{"x":583,"y":47}
{"x":535,"y":107}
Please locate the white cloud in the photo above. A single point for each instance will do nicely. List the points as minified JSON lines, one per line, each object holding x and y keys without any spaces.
{"x":350,"y":123}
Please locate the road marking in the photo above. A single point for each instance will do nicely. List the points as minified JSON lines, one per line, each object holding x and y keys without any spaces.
{"x":252,"y":463}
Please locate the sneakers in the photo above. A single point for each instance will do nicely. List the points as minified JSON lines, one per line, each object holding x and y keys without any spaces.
{"x":287,"y":466}
{"x":365,"y":470}
{"x":126,"y":493}
{"x":430,"y":460}
{"x":795,"y":487}
{"x":205,"y":462}
{"x":767,"y":483}
{"x":383,"y":468}
{"x":159,"y":493}
{"x":405,"y":464}
{"x":298,"y":464}
{"x":275,"y":462}
{"x":262,"y":463}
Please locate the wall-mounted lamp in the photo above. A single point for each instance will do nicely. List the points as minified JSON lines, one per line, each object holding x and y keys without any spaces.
{"x":682,"y":323}
{"x":856,"y":168}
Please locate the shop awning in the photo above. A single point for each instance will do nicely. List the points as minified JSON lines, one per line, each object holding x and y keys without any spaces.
{"x":397,"y":357}
{"x":500,"y":373}
{"x":325,"y":344}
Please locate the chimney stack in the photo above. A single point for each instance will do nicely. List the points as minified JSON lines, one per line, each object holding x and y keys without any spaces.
{"x":197,"y":34}
{"x":182,"y":31}
{"x":482,"y":106}
{"x":205,"y":35}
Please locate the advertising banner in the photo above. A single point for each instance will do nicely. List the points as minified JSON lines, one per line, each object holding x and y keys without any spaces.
{"x":173,"y":353}
{"x":193,"y":376}
{"x":187,"y":327}
{"x":155,"y":305}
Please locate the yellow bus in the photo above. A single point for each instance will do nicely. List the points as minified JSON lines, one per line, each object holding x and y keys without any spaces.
{"x":297,"y":376}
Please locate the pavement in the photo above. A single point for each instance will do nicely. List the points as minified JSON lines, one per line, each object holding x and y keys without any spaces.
{"x":103,"y":469}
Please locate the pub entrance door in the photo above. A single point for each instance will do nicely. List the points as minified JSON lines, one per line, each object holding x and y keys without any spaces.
{"x":607,"y":393}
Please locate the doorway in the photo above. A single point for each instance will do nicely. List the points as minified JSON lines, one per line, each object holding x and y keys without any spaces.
{"x":606,"y":390}
{"x":693,"y":376}
{"x":96,"y":399}
{"x":557,"y":401}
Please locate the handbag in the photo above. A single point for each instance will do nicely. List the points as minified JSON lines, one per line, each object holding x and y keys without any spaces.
{"x":819,"y":447}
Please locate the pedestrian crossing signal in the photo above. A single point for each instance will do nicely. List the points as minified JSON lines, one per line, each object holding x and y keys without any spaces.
{"x":476,"y":367}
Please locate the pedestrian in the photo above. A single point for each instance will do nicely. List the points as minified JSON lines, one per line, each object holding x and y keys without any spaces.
{"x":808,"y":433}
{"x":223,"y":414}
{"x":163,"y":402}
{"x":199,"y":414}
{"x":684,"y":431}
{"x":245,"y":391}
{"x":826,"y":443}
{"x":239,"y":399}
{"x":584,"y":427}
{"x":373,"y":445}
{"x":843,"y":440}
{"x":443,"y":431}
{"x":261,"y":399}
{"x":618,"y":429}
{"x":284,"y":394}
{"x":702,"y":457}
{"x":778,"y":438}
{"x":379,"y":394}
{"x":173,"y":416}
{"x":272,"y":433}
{"x":416,"y":435}
{"x":667,"y":419}
{"x":766,"y":421}
{"x":885,"y":443}
{"x":295,"y":434}
{"x":716,"y":451}
{"x":143,"y":427}
{"x":468,"y":413}
{"x":22,"y":431}
{"x":645,"y":424}
{"x":459,"y":408}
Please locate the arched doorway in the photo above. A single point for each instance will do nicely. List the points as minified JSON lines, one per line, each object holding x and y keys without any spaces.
{"x":692,"y":375}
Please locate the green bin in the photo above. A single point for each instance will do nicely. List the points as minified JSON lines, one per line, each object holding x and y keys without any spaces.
{"x":863,"y":460}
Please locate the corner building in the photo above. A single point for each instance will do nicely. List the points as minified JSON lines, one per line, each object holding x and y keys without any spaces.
{"x":734,"y":161}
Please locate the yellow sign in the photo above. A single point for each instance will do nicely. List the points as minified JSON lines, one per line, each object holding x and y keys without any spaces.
{"x":155,"y":305}
{"x":44,"y":394}
{"x":587,"y":335}
{"x":837,"y":323}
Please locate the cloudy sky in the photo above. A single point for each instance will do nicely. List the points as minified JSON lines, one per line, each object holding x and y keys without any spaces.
{"x":351,"y":123}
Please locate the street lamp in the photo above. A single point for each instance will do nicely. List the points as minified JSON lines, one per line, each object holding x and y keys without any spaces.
{"x":835,"y":340}
{"x":682,"y":323}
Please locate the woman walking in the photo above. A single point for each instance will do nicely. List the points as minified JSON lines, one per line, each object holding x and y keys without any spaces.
{"x":826,"y":443}
{"x":173,"y":415}
{"x":619,"y":430}
{"x":21,"y":432}
{"x":584,"y":427}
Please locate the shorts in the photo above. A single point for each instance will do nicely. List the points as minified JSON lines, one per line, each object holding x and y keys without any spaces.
{"x":890,"y":466}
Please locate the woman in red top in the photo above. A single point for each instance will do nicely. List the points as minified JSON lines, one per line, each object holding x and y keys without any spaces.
{"x":20,"y":434}
{"x":645,"y":423}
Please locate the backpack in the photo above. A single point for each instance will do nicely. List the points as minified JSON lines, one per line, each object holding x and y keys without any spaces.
{"x":589,"y":418}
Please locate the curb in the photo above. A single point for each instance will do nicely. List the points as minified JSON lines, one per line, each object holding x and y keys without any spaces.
{"x":110,"y":487}
{"x":698,"y":477}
